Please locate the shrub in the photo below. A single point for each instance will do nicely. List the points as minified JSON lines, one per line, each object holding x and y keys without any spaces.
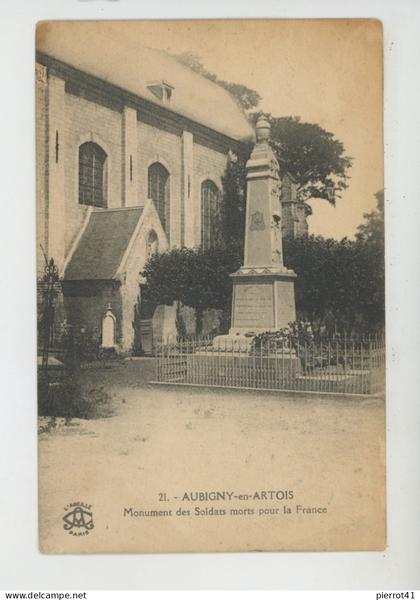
{"x":67,"y":399}
{"x":296,"y":333}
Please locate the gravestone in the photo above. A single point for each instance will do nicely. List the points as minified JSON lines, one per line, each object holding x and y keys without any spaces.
{"x":263,"y":288}
{"x":108,"y":328}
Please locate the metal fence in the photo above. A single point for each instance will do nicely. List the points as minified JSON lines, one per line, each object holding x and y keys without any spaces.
{"x":345,"y":366}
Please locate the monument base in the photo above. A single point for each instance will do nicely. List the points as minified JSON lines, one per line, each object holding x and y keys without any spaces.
{"x":263,"y":300}
{"x":233,"y":343}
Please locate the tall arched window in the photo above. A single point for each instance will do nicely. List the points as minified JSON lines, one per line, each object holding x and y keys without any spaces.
{"x":158,"y":191}
{"x":211,"y":214}
{"x":92,"y":180}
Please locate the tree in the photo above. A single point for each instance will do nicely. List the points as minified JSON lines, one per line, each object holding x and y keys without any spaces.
{"x":168,"y":276}
{"x":340,"y":284}
{"x":372,"y":230}
{"x":370,"y":243}
{"x":195,"y":278}
{"x":245,"y":96}
{"x":312,"y":155}
{"x":234,"y":203}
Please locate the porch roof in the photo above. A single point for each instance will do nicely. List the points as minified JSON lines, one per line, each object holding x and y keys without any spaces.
{"x":103,"y":244}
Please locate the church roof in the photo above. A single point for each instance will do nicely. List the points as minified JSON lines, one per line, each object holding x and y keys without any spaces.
{"x":104,"y":52}
{"x":103,"y":243}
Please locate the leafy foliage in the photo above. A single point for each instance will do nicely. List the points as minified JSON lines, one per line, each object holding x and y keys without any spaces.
{"x":372,"y":230}
{"x":370,"y":241}
{"x":340,"y":284}
{"x":339,"y":288}
{"x":68,"y":399}
{"x":194,"y":277}
{"x":297,"y":332}
{"x":234,"y":203}
{"x":312,"y":155}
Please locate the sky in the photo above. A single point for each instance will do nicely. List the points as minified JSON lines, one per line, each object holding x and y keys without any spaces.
{"x":325,"y":71}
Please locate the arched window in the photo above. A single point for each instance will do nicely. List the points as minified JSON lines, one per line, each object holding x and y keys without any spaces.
{"x":158,"y":191}
{"x":92,"y":181}
{"x":211,"y":214}
{"x":152,"y":244}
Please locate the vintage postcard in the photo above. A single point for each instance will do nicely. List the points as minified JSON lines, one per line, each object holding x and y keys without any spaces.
{"x":210,"y":255}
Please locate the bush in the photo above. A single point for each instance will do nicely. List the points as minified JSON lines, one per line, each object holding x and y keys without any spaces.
{"x":297,"y":333}
{"x":67,"y":399}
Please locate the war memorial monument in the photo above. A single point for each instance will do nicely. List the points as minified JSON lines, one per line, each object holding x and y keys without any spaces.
{"x":263,"y":288}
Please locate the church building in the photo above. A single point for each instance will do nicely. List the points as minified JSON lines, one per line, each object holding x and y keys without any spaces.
{"x":131,"y":150}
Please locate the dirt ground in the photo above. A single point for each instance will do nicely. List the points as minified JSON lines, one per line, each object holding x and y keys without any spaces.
{"x":329,"y":452}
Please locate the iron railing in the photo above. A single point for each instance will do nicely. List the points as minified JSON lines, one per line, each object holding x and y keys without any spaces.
{"x":348,"y":366}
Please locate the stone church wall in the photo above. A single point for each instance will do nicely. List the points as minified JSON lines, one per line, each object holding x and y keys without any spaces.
{"x":70,"y":114}
{"x":85,"y":118}
{"x":89,"y":121}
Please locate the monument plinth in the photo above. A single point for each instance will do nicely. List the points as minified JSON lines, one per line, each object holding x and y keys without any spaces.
{"x":263,"y":288}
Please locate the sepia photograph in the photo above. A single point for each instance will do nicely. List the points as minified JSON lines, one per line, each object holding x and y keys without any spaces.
{"x":210,"y":286}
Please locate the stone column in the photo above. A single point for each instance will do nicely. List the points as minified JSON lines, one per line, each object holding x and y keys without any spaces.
{"x":187,"y":209}
{"x":129,"y":152}
{"x":56,"y":190}
{"x":263,"y":240}
{"x":263,"y":288}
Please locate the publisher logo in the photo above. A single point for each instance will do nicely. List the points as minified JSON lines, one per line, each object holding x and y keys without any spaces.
{"x":78,"y":519}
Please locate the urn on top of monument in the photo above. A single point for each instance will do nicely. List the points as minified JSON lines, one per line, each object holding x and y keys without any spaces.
{"x":262,"y":129}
